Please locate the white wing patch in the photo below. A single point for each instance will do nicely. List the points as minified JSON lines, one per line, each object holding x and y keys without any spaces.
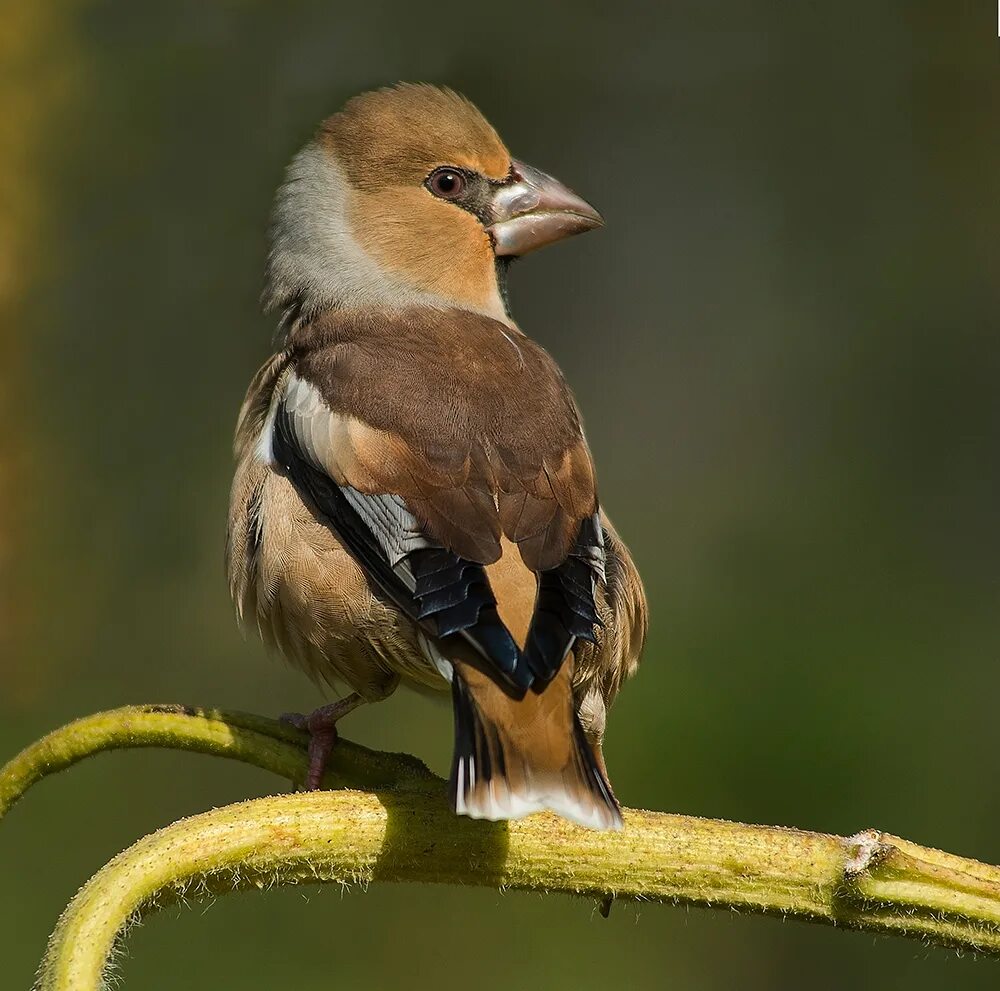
{"x":327,"y":440}
{"x":265,"y":443}
{"x":395,"y":528}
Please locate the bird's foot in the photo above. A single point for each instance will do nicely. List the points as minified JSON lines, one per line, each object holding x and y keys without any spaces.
{"x":321,"y":725}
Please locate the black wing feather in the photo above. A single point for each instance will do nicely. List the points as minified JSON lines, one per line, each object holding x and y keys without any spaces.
{"x":566,"y":610}
{"x":448,"y":595}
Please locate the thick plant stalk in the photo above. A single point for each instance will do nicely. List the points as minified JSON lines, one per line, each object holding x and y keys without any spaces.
{"x":267,"y":743}
{"x":406,"y":832}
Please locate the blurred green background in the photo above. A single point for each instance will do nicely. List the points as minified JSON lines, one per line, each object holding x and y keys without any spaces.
{"x":785,"y":343}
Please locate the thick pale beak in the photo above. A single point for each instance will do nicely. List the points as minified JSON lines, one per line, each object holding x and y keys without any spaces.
{"x":535,"y":210}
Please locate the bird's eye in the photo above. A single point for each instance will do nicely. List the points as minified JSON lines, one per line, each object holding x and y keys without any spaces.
{"x":448,"y":184}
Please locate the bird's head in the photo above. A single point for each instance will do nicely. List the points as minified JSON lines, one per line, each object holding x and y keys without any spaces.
{"x":408,"y":196}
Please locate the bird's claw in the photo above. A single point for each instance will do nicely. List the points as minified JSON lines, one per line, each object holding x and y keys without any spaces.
{"x":321,"y":725}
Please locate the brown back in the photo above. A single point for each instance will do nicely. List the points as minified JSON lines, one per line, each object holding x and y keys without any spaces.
{"x":474,"y":426}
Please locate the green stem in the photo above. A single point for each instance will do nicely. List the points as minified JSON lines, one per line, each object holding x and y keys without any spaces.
{"x":405,"y":831}
{"x":266,"y":743}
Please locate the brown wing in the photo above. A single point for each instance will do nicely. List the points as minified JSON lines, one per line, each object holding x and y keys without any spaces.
{"x":468,"y":420}
{"x":422,"y":441}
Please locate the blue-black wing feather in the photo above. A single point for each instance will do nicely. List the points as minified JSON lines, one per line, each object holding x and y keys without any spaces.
{"x":446,"y":594}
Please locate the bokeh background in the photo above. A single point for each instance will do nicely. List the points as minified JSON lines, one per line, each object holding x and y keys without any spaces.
{"x":785,"y":343}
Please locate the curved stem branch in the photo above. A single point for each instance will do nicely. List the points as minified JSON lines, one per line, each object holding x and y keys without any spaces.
{"x":267,"y":743}
{"x":404,"y":831}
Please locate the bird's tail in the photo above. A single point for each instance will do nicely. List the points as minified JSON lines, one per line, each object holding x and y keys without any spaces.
{"x":517,"y":756}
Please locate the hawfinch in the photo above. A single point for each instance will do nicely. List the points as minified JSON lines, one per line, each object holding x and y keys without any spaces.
{"x":414,"y":498}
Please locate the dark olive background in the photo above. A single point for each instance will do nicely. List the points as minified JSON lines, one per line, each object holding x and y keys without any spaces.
{"x":785,"y":346}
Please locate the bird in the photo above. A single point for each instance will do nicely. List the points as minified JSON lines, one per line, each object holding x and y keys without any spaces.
{"x":414,"y":500}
